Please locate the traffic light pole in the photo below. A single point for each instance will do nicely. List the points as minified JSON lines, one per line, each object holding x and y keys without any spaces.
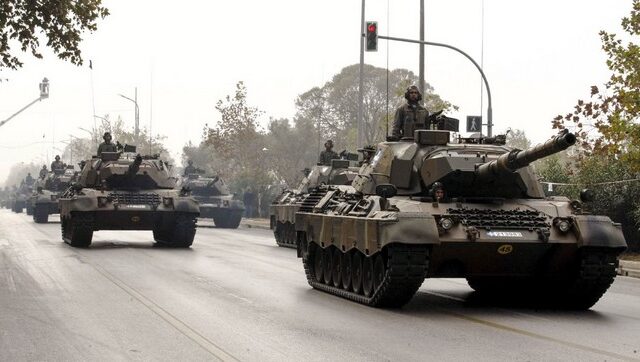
{"x":484,"y":78}
{"x":361,"y":84}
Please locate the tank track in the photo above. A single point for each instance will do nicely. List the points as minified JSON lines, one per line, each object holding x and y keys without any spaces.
{"x":285,"y":234}
{"x":77,"y":229}
{"x":596,"y":273}
{"x":405,"y":271}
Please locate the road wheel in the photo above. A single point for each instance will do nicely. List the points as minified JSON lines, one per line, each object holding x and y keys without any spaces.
{"x":318,"y":263}
{"x":367,"y":276}
{"x":346,"y":271}
{"x":328,"y":265}
{"x":378,"y":272}
{"x":356,"y":272}
{"x":337,"y":268}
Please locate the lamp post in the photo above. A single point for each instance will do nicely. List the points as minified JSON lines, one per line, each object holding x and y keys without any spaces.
{"x":44,"y":94}
{"x":137,"y":115}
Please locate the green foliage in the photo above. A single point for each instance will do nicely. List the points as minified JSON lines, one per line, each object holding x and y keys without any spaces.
{"x":62,"y":23}
{"x":517,"y":138}
{"x":607,"y":124}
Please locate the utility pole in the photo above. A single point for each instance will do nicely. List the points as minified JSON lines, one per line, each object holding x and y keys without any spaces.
{"x":421,"y":76}
{"x":44,"y":94}
{"x":137,"y":111}
{"x":361,"y":84}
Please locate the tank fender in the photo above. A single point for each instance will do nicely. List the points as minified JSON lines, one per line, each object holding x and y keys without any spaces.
{"x":410,"y":228}
{"x":185,"y":204}
{"x":598,"y":231}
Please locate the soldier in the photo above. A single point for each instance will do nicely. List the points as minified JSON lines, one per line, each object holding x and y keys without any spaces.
{"x":43,"y":171}
{"x":190,"y":169}
{"x":29,"y":179}
{"x":437,"y":191}
{"x":106,"y":146}
{"x":57,"y":165}
{"x":410,"y":116}
{"x":367,"y":153}
{"x":328,"y":154}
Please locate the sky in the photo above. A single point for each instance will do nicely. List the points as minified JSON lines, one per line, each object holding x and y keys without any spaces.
{"x":539,"y":57}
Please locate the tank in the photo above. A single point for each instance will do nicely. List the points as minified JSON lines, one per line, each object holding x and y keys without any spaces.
{"x":216,"y":202}
{"x":283,"y":209}
{"x":47,"y":191}
{"x":19,"y":197}
{"x":125,"y":191}
{"x":431,"y":208}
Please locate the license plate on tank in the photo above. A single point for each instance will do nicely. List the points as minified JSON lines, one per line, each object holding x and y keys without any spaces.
{"x":504,"y":234}
{"x":136,"y":207}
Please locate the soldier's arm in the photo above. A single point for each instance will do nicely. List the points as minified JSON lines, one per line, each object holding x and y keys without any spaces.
{"x":398,"y":120}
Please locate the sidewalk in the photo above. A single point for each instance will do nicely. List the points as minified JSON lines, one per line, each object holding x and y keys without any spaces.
{"x":629,"y":268}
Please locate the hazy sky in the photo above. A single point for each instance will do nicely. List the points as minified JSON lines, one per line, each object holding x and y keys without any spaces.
{"x":539,"y":57}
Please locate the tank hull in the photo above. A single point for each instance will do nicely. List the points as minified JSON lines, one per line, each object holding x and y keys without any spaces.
{"x":224,"y":211}
{"x":514,"y":243}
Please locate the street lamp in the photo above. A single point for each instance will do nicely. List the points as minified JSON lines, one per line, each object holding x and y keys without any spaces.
{"x":44,"y":94}
{"x":137,"y":115}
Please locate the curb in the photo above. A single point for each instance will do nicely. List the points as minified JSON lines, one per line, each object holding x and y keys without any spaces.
{"x":629,"y":268}
{"x":256,"y":224}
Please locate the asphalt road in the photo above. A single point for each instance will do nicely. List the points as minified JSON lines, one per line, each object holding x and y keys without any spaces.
{"x":236,"y":295}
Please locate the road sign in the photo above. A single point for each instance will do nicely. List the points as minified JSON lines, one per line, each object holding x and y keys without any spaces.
{"x":474,"y":123}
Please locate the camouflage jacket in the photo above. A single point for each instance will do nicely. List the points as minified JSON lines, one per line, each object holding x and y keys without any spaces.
{"x":326,"y":157}
{"x":408,"y":118}
{"x":106,"y":147}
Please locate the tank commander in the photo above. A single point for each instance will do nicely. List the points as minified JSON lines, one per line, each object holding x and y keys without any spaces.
{"x":57,"y":165}
{"x":43,"y":171}
{"x":328,"y":154}
{"x":190,"y":169}
{"x":29,"y":179}
{"x":437,"y":191}
{"x":106,"y":146}
{"x":367,"y":153}
{"x":410,"y":116}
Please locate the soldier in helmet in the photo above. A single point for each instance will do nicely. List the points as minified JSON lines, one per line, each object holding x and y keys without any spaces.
{"x":57,"y":165}
{"x":29,"y":179}
{"x":328,"y":154}
{"x":190,"y":169}
{"x":106,"y":146}
{"x":410,"y":116}
{"x":43,"y":171}
{"x":437,"y":191}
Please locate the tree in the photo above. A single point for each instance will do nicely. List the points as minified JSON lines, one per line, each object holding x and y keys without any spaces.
{"x":608,"y":130}
{"x":517,"y":138}
{"x":607,"y":123}
{"x":62,"y":22}
{"x":19,"y":171}
{"x":333,"y":108}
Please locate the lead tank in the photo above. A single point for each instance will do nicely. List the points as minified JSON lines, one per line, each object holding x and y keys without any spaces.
{"x":125,"y":191}
{"x":494,"y":226}
{"x":215,"y":199}
{"x":47,"y":191}
{"x":283,"y":209}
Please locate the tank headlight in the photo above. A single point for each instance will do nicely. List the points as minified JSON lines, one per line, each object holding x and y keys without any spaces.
{"x":167,"y":201}
{"x":446,"y":223}
{"x":563,"y":225}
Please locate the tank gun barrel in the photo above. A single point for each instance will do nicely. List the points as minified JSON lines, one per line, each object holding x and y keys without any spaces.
{"x":516,"y":159}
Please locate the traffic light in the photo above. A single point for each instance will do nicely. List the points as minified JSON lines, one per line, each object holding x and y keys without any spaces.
{"x":372,"y":36}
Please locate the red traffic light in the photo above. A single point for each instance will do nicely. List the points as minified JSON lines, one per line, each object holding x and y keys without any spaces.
{"x":372,"y":28}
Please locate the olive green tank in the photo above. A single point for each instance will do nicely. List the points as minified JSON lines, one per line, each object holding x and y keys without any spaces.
{"x":125,"y":191}
{"x":47,"y":191}
{"x":430,"y":208}
{"x":19,"y":197}
{"x":215,"y":200}
{"x":283,"y":209}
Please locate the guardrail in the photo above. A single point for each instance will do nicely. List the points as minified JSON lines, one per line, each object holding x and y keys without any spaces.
{"x":629,"y":268}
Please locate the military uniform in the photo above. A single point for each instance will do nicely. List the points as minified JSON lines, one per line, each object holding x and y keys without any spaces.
{"x":326,"y":157}
{"x":29,"y":180}
{"x":57,"y":165}
{"x":190,"y":169}
{"x":106,"y":147}
{"x":43,"y":172}
{"x":409,"y":118}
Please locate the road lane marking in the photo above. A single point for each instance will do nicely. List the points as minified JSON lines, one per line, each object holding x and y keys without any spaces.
{"x":526,"y":333}
{"x":182,"y":327}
